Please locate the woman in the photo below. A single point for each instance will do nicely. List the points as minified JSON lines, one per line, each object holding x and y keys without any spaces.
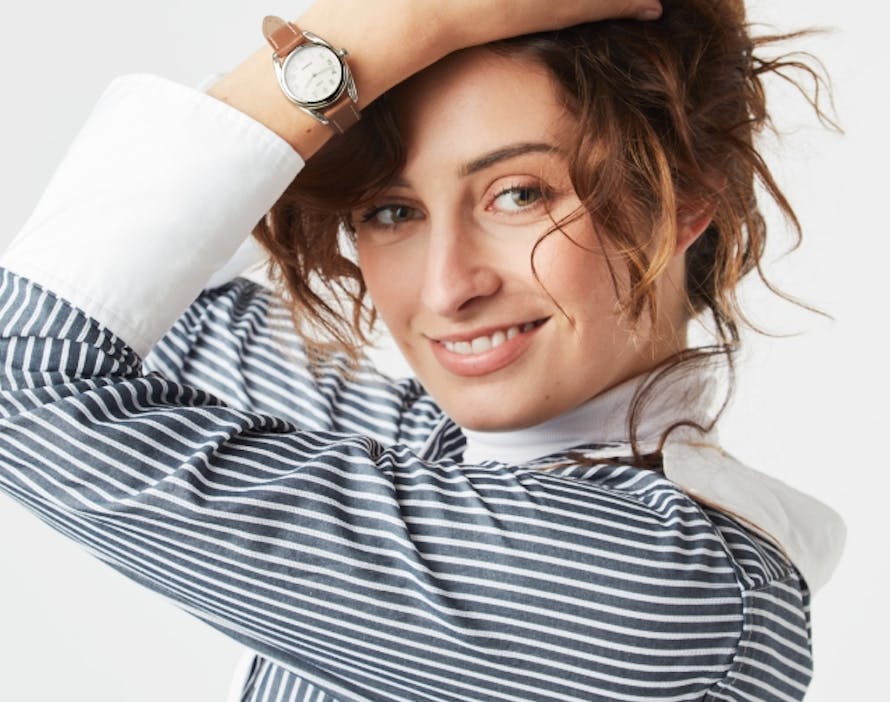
{"x":536,"y":238}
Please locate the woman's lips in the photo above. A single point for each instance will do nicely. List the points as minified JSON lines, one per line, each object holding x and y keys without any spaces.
{"x":485,"y":352}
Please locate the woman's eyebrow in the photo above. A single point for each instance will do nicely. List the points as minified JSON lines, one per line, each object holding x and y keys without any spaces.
{"x":503,"y":154}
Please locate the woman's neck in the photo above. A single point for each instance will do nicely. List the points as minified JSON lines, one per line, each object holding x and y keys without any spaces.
{"x":686,"y":395}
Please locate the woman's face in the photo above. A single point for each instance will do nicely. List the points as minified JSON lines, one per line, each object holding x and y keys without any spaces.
{"x":447,"y":251}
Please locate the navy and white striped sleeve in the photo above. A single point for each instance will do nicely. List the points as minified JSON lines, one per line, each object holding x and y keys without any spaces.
{"x":238,"y":342}
{"x":371,"y":574}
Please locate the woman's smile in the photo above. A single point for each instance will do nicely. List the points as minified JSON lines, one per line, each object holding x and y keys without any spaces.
{"x":479,"y":353}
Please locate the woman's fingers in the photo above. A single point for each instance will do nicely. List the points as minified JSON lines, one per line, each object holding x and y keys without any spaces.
{"x":472,"y":22}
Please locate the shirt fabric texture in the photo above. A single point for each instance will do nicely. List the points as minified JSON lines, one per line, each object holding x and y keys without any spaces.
{"x":331,"y":520}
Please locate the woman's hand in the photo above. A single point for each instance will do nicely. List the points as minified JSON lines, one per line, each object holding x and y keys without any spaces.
{"x":472,"y":22}
{"x":390,"y":40}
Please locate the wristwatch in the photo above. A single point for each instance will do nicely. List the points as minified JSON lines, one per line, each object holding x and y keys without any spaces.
{"x":313,"y":74}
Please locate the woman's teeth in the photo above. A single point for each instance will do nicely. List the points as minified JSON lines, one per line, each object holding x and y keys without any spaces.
{"x":481,"y":344}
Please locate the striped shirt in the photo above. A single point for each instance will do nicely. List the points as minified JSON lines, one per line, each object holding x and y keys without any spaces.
{"x":325,"y":521}
{"x":331,"y":522}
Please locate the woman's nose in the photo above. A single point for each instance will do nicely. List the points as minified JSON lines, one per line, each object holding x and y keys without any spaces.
{"x":459,"y":271}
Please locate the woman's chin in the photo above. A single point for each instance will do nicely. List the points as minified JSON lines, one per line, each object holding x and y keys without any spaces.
{"x":503,"y":414}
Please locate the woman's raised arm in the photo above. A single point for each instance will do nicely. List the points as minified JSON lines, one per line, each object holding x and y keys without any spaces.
{"x":389,"y":41}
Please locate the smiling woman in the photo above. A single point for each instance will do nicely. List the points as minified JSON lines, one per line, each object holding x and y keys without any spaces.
{"x":545,"y":512}
{"x":499,"y":343}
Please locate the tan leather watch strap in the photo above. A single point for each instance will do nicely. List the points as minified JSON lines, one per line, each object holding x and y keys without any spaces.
{"x":343,"y":114}
{"x":283,"y":36}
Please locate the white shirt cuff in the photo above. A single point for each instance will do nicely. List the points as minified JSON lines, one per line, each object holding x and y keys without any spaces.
{"x":158,"y":191}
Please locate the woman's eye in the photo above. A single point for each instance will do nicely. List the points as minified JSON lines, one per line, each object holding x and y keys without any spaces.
{"x":517,"y":199}
{"x":390,"y":215}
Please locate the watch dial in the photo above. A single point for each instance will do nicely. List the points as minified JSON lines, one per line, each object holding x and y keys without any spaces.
{"x":313,"y":73}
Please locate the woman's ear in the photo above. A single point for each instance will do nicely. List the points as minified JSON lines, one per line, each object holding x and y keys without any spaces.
{"x":691,"y":224}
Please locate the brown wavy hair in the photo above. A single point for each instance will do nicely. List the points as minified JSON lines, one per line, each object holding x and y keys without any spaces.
{"x":668,"y":116}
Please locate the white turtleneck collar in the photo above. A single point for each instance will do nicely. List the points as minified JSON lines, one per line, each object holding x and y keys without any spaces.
{"x":810,"y":533}
{"x":602,"y":420}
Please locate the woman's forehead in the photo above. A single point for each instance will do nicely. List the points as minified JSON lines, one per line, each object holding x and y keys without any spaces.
{"x":475,"y":103}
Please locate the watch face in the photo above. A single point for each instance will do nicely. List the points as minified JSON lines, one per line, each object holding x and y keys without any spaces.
{"x":312,"y":74}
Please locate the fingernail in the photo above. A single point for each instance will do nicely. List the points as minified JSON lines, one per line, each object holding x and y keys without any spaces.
{"x":651,"y":13}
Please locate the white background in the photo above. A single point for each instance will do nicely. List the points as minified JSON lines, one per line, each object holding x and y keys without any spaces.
{"x":811,"y":409}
